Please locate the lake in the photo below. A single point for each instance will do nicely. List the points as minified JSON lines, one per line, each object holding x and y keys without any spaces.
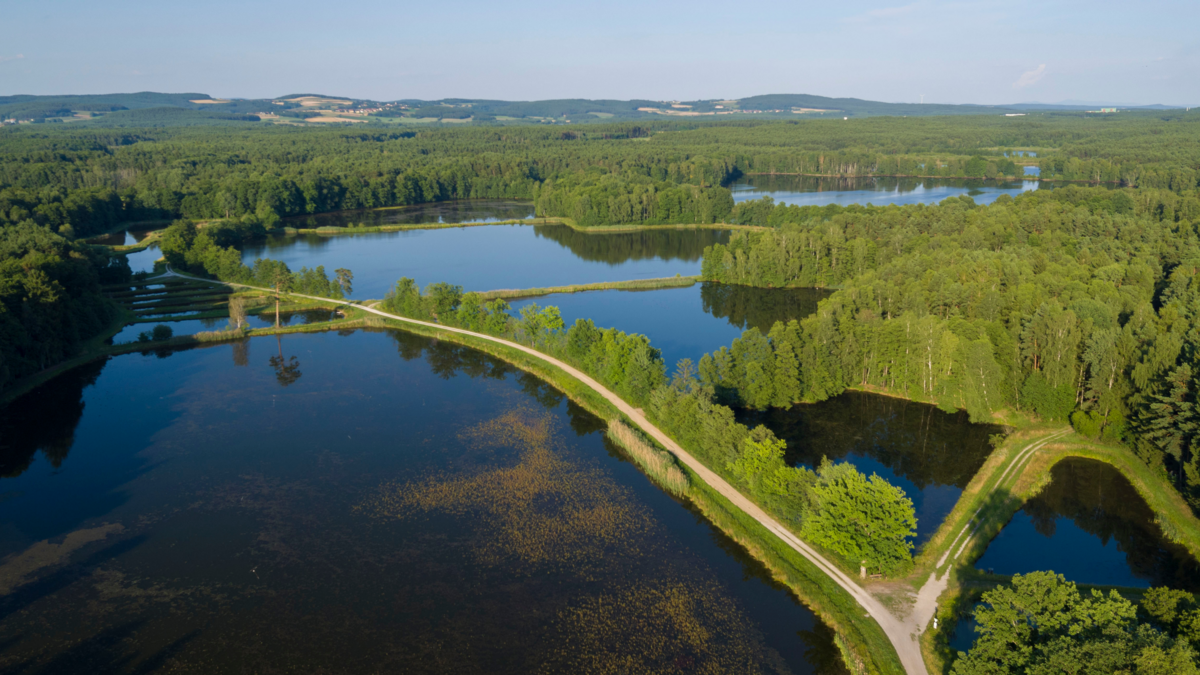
{"x":372,"y":501}
{"x":930,"y":454}
{"x":821,"y":191}
{"x":489,"y":257}
{"x":685,"y":322}
{"x":1090,"y":525}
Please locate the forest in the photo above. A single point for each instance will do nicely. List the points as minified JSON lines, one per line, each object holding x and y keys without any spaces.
{"x":1077,"y":304}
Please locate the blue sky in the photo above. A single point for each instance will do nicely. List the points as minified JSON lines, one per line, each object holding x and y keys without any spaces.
{"x":1002,"y":51}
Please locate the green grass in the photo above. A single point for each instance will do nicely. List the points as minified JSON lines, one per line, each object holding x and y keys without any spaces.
{"x":636,"y":284}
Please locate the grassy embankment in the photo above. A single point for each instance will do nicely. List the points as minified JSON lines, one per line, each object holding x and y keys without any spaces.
{"x":997,"y":497}
{"x":633,"y":285}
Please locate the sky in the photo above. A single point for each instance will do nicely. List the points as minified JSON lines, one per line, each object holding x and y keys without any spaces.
{"x":987,"y":52}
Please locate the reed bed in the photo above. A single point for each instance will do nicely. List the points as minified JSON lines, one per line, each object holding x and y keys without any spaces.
{"x":659,"y":464}
{"x":632,"y":285}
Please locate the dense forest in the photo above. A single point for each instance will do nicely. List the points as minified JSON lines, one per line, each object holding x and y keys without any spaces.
{"x":91,"y":179}
{"x":1076,"y":303}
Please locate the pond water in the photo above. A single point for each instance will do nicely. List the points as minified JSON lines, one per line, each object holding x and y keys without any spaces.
{"x":363,"y":502}
{"x":143,"y":260}
{"x":931,"y":454}
{"x":185,"y":327}
{"x":819,"y":191}
{"x":1091,"y":526}
{"x":685,"y":322}
{"x":462,"y":211}
{"x":192,"y":326}
{"x":489,"y":257}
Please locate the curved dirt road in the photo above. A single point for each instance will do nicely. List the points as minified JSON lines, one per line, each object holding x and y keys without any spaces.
{"x":901,"y":633}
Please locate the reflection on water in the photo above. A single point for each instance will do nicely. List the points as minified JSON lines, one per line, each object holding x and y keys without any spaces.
{"x":685,"y":322}
{"x":462,"y":211}
{"x":490,"y":257}
{"x":1091,"y":526}
{"x":931,"y":454}
{"x":820,"y":191}
{"x":406,"y":505}
{"x":616,"y":248}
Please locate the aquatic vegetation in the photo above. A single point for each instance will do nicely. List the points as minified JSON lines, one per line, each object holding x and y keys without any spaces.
{"x":547,"y":509}
{"x":666,"y":627}
{"x":659,"y":464}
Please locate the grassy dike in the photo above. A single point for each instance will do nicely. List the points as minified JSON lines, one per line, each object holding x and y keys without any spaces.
{"x":633,"y":285}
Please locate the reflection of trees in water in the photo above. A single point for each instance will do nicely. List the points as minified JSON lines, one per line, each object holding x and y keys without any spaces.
{"x":1101,"y":502}
{"x":747,"y":306}
{"x":461,"y":211}
{"x":45,"y":419}
{"x":915,"y":440}
{"x":449,"y":360}
{"x":241,"y":352}
{"x":287,"y":370}
{"x":618,"y":247}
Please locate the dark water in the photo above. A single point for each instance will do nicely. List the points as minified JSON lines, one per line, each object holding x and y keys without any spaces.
{"x":192,"y":326}
{"x":360,"y":502}
{"x":186,"y":327}
{"x":492,"y":256}
{"x":1091,"y":526}
{"x":931,"y":454}
{"x":816,"y":191}
{"x":464,"y":211}
{"x":686,"y":322}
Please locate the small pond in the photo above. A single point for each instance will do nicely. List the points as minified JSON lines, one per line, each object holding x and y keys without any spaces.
{"x":489,"y":257}
{"x":820,"y":191}
{"x":1091,"y":526}
{"x":685,"y":322}
{"x":372,"y":501}
{"x":931,"y":454}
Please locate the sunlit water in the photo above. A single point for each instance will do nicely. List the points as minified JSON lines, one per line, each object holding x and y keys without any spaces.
{"x":818,"y":191}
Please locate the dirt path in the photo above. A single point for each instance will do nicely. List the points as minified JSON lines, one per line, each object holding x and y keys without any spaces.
{"x":901,"y":632}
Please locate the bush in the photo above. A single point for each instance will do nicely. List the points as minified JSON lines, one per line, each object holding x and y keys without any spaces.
{"x":161,"y":332}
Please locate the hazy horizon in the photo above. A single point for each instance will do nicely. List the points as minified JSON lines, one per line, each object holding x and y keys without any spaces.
{"x":985,"y":52}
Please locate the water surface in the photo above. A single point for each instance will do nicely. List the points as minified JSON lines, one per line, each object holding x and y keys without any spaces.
{"x":460,"y":211}
{"x":820,"y":191}
{"x":685,"y":322}
{"x":930,"y":454}
{"x":490,"y":257}
{"x":1091,"y":526}
{"x":363,"y":502}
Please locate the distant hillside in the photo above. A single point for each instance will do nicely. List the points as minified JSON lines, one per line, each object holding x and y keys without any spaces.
{"x":310,"y":109}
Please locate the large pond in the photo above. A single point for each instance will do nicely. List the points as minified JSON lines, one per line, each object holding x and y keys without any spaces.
{"x":685,"y":322}
{"x":931,"y":454}
{"x":488,"y":257}
{"x":364,"y":502}
{"x":464,"y":211}
{"x":820,"y":191}
{"x":1091,"y":526}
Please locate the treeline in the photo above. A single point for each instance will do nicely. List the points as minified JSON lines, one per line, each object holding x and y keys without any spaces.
{"x":599,"y":198}
{"x":92,"y":179}
{"x":210,"y":251}
{"x":852,"y":516}
{"x":1078,"y":304}
{"x":50,"y":298}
